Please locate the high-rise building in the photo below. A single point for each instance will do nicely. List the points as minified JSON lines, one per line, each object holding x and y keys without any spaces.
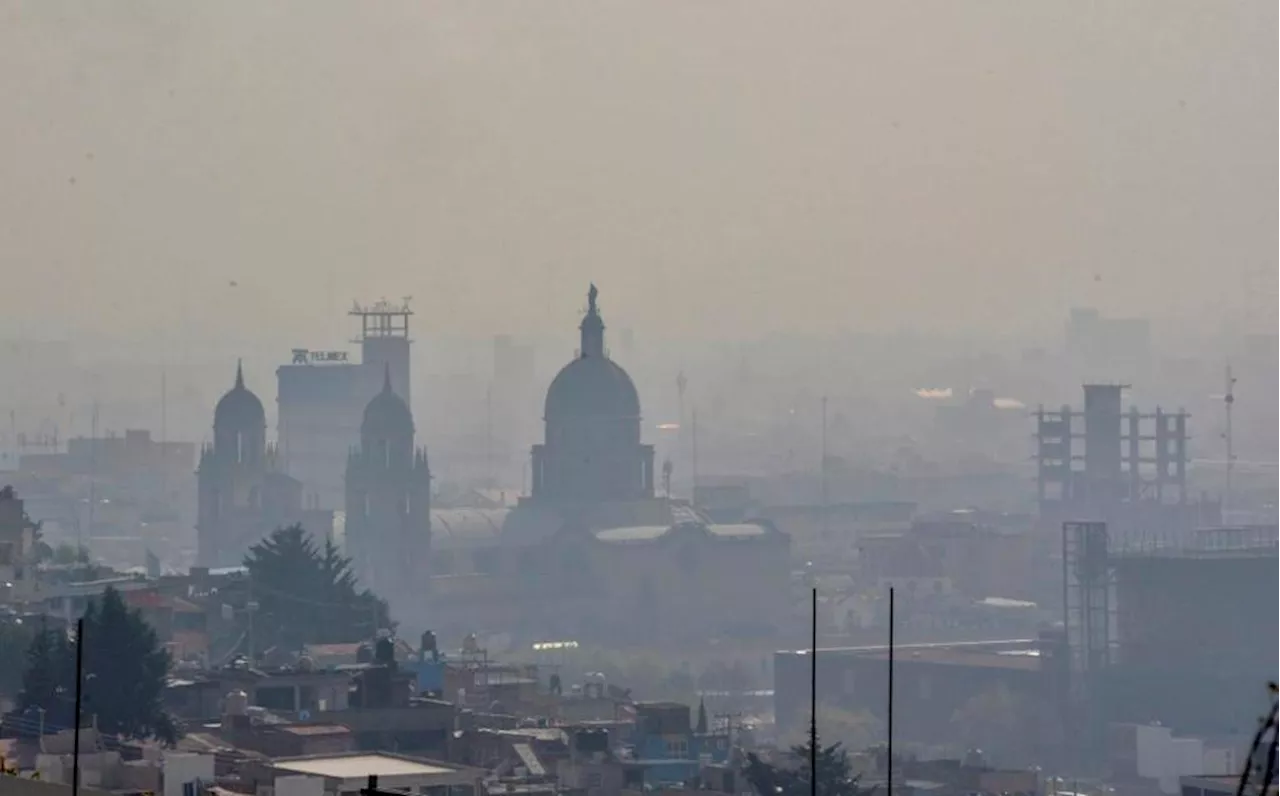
{"x":322,"y":397}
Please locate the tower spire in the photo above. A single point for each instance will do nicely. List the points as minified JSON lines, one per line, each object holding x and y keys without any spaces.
{"x":592,"y":327}
{"x":239,"y":374}
{"x":386,"y":377}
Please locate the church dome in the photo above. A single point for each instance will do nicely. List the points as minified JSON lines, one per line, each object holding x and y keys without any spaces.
{"x":387,"y":415}
{"x":592,"y":385}
{"x":239,"y":408}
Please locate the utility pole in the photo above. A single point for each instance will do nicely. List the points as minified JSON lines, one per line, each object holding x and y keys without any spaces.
{"x":889,"y":715}
{"x":75,"y":753}
{"x":813,"y":699}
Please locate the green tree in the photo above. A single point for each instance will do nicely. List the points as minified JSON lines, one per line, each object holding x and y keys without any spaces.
{"x":854,"y":729}
{"x":308,"y":595}
{"x":835,"y":775}
{"x":124,"y":674}
{"x":125,"y":668}
{"x":15,"y":638}
{"x":48,"y":679}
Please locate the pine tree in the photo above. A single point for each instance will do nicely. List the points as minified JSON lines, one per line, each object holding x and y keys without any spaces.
{"x":48,"y":681}
{"x":15,"y":639}
{"x":835,"y":773}
{"x":308,"y":595}
{"x":124,"y":674}
{"x":125,"y":668}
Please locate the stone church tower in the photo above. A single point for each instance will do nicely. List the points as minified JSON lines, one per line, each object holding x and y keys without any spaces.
{"x":232,"y":475}
{"x":388,"y":497}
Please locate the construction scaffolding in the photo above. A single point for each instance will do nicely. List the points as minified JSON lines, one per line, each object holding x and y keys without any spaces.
{"x":1088,"y":590}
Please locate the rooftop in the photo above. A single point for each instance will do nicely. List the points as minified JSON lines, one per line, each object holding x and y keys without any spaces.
{"x":356,"y":766}
{"x":315,"y":729}
{"x":993,"y":645}
{"x":1019,"y":660}
{"x":645,"y":533}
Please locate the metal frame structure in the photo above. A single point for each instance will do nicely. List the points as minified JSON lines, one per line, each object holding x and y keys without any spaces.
{"x":1103,"y":454}
{"x":1088,"y":586}
{"x":382,"y":319}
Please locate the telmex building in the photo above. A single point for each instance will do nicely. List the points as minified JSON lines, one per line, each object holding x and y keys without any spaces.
{"x":322,"y":397}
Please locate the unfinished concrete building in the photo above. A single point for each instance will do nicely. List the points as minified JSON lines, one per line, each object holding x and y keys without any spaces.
{"x":1125,"y":468}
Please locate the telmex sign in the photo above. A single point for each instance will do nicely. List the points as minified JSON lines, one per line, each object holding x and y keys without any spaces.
{"x":302,"y":356}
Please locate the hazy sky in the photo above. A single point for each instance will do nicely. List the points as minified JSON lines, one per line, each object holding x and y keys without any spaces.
{"x":723,"y":168}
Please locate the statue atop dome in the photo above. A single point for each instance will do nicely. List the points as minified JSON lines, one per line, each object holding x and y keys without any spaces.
{"x":592,"y":450}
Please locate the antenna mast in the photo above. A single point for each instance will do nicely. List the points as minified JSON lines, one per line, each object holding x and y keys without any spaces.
{"x":823,"y":471}
{"x":1228,"y":400}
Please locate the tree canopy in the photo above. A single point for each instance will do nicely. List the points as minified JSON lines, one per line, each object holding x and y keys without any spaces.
{"x":835,"y":775}
{"x":124,"y":674}
{"x":307,"y":594}
{"x":15,"y":638}
{"x":48,"y":679}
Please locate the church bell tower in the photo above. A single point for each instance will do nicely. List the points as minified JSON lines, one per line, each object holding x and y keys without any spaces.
{"x":388,"y":497}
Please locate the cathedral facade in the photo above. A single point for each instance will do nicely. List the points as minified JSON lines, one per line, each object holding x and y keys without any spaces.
{"x":592,"y":553}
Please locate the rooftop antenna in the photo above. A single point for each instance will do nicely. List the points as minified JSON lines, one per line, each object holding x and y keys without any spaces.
{"x":824,"y":466}
{"x":164,"y":432}
{"x":695,"y":452}
{"x":488,"y":436}
{"x":681,"y":384}
{"x":1228,"y":400}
